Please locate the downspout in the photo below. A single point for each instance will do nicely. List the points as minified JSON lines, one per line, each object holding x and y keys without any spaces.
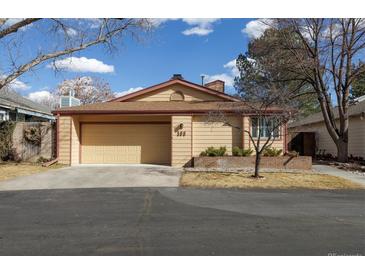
{"x":58,"y":136}
{"x":285,"y":138}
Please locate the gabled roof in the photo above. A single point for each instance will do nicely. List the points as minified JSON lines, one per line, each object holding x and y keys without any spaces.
{"x":355,"y":108}
{"x":163,"y":107}
{"x":173,"y":82}
{"x":11,"y":99}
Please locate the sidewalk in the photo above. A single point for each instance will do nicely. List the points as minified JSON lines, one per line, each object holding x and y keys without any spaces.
{"x":357,"y":178}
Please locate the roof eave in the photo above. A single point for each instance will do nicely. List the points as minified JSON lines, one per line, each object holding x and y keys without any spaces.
{"x":165,"y":112}
{"x":172,"y":82}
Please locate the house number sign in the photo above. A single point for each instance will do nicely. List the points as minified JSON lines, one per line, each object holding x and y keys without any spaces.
{"x":179,"y":130}
{"x":181,"y":133}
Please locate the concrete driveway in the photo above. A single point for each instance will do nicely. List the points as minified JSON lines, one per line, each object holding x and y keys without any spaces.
{"x":178,"y":221}
{"x":96,"y":176}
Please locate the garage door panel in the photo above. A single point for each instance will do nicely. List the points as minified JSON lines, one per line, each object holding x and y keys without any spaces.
{"x":126,"y":143}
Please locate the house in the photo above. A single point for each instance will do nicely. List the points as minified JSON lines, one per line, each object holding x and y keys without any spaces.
{"x":14,"y":107}
{"x":314,"y":125}
{"x":162,"y":124}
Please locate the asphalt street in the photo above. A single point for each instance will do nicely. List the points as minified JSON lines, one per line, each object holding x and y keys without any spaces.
{"x":176,"y":221}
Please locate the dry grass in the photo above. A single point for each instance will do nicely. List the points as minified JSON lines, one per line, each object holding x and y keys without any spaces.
{"x":278,"y":180}
{"x":12,"y":170}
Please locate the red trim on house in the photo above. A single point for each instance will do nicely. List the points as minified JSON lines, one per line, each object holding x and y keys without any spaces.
{"x":166,"y":112}
{"x":80,"y":142}
{"x":172,"y":82}
{"x":127,"y":122}
{"x":58,"y":136}
{"x":70,"y":140}
{"x":243,"y":132}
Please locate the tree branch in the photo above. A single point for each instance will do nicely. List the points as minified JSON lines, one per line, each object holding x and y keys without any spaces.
{"x":15,"y":27}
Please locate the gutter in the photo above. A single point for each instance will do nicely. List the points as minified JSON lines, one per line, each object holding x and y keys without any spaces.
{"x":170,"y":112}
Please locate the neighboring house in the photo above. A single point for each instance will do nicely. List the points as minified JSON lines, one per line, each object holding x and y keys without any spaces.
{"x":162,"y":124}
{"x":323,"y":141}
{"x":14,"y":107}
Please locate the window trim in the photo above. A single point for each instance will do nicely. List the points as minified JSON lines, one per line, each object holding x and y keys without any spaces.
{"x":279,"y":138}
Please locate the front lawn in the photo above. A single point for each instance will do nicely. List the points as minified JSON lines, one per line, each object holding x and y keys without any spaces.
{"x":12,"y":170}
{"x":279,"y":180}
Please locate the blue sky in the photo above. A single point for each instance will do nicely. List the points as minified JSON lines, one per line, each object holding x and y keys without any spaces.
{"x":188,"y":46}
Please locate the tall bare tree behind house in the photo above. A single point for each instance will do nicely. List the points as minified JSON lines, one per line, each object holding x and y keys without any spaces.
{"x":325,"y":54}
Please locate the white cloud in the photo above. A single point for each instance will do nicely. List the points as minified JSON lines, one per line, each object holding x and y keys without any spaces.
{"x":231,"y":65}
{"x":197,"y":31}
{"x":82,"y":64}
{"x":125,"y":92}
{"x":226,"y":78}
{"x":17,"y":84}
{"x":201,"y":26}
{"x":40,"y":96}
{"x":255,"y":28}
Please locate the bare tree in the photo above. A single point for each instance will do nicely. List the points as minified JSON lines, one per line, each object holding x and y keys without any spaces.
{"x":325,"y":54}
{"x":268,"y":122}
{"x":88,"y":89}
{"x":61,"y":37}
{"x":263,"y":101}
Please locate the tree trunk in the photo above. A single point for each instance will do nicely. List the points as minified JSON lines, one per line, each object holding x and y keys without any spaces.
{"x":342,"y":151}
{"x":257,"y":165}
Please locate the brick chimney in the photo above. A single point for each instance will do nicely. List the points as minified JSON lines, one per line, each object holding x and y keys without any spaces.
{"x":217,"y":85}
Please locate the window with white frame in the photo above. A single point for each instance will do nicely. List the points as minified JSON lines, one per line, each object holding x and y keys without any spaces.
{"x":3,"y":116}
{"x":263,"y":127}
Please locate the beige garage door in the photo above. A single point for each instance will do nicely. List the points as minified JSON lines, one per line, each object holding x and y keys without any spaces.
{"x":125,"y":143}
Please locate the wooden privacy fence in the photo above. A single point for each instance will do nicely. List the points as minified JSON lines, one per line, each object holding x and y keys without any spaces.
{"x":33,"y":140}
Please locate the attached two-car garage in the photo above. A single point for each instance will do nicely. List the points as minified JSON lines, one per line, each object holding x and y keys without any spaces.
{"x":126,"y":143}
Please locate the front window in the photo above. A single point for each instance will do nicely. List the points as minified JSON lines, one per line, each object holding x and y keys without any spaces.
{"x":264,"y":127}
{"x":2,"y":116}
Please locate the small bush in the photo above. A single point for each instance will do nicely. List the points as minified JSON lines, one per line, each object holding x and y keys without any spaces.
{"x":213,"y":152}
{"x":272,"y":152}
{"x":236,"y":151}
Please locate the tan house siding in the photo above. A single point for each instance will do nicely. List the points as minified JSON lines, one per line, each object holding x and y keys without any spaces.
{"x":75,"y":145}
{"x":181,"y":144}
{"x":164,"y":94}
{"x":64,"y":146}
{"x":215,"y":134}
{"x":357,"y":136}
{"x":325,"y":143}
